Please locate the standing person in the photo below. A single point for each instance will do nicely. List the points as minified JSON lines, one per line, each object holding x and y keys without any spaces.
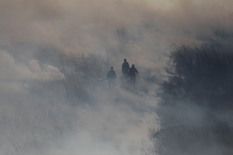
{"x":125,"y":68}
{"x":111,"y":76}
{"x":133,"y":72}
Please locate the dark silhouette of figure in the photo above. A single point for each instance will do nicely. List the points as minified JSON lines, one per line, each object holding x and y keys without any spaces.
{"x":125,"y":68}
{"x":111,"y":76}
{"x":133,"y":72}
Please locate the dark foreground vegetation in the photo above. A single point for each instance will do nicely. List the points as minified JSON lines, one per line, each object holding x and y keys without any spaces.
{"x":196,"y":110}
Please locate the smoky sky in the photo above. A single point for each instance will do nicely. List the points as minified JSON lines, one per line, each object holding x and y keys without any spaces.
{"x":119,"y":28}
{"x":37,"y":37}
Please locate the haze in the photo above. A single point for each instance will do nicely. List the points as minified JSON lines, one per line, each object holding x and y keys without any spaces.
{"x":54,"y":53}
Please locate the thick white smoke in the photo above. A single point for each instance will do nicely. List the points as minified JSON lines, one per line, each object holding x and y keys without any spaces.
{"x":52,"y":105}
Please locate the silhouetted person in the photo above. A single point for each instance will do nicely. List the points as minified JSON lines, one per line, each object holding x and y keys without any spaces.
{"x":133,"y":72}
{"x":111,"y":76}
{"x":125,"y":68}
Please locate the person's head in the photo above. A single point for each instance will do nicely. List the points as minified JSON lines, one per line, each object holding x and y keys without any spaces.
{"x":133,"y":66}
{"x":125,"y":60}
{"x":111,"y":68}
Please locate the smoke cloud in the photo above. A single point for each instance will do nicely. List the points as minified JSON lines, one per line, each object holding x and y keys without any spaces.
{"x":54,"y":53}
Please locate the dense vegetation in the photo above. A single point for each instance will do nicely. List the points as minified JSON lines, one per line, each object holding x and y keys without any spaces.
{"x":196,"y":110}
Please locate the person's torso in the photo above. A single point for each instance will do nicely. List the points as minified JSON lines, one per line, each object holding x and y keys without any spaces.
{"x":132,"y":71}
{"x":111,"y":74}
{"x":125,"y":66}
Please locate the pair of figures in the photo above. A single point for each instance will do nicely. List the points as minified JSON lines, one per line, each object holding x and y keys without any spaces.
{"x":129,"y":73}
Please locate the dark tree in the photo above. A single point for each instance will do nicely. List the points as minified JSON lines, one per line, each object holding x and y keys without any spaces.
{"x":196,"y":110}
